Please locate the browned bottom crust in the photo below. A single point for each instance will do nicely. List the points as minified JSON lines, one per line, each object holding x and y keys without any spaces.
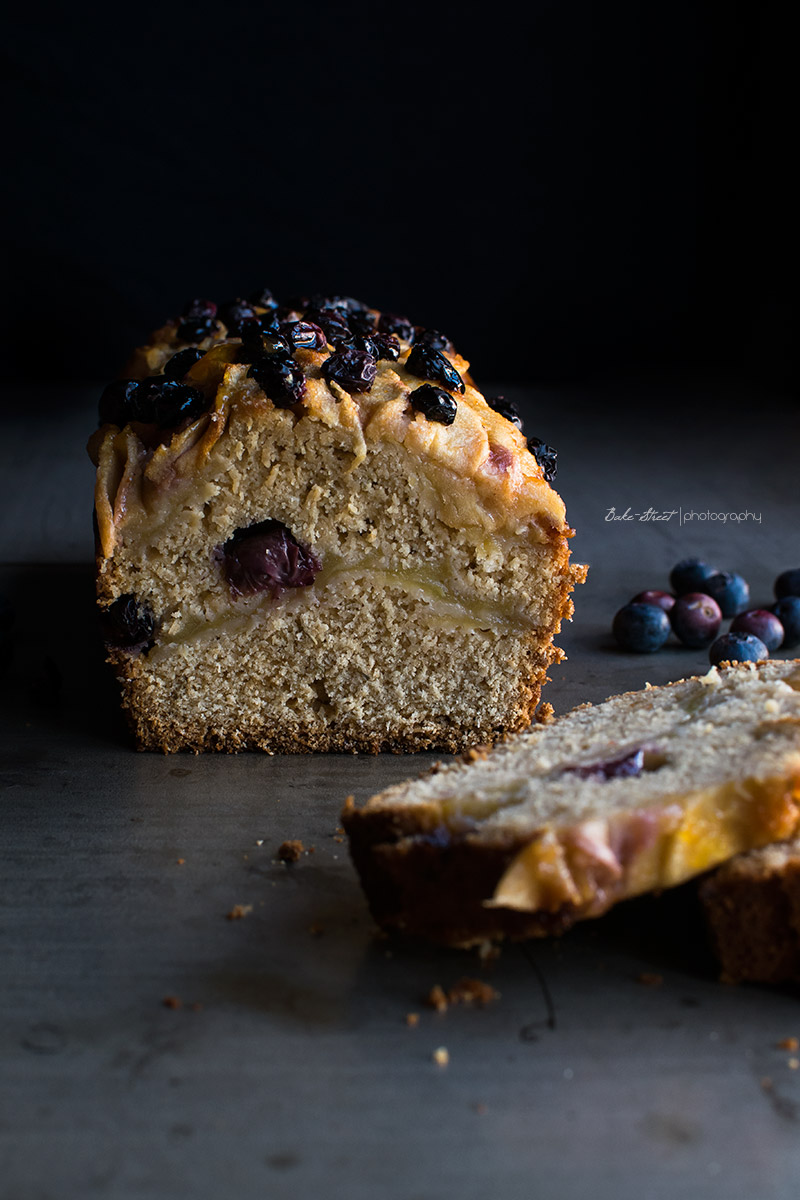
{"x":754,"y":919}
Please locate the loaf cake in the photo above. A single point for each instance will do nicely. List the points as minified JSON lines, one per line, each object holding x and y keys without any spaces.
{"x":753,"y":908}
{"x":315,"y":533}
{"x":558,"y":823}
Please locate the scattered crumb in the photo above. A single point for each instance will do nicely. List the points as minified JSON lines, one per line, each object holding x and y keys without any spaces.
{"x":349,"y":804}
{"x":481,"y":1109}
{"x":245,"y":857}
{"x":259,"y":841}
{"x":790,"y":1043}
{"x":311,"y":850}
{"x":489,"y":952}
{"x":436,"y":998}
{"x":412,"y":1020}
{"x":650,"y":979}
{"x":290,"y":851}
{"x":197,"y":1007}
{"x":172,"y":1002}
{"x":180,"y":861}
{"x":545,"y":713}
{"x":339,"y":829}
{"x":475,"y":753}
{"x":766,"y":1083}
{"x":466,"y":991}
{"x":441,"y":1056}
{"x":316,"y":929}
{"x":337,"y":838}
{"x":238,"y":911}
{"x":793,"y":1063}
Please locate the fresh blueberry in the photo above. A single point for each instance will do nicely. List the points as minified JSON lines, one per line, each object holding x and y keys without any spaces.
{"x":762,"y":624}
{"x":787,"y":610}
{"x":427,"y":363}
{"x":689,"y":575}
{"x":304,"y":335}
{"x":737,"y":647}
{"x":642,"y":628}
{"x":506,"y":409}
{"x":662,"y":599}
{"x":128,"y":623}
{"x":354,"y":370}
{"x":182,"y":362}
{"x":266,"y":557}
{"x":546,"y":457}
{"x":730,"y":591}
{"x":281,"y":379}
{"x":434,"y":403}
{"x":695,"y":619}
{"x":394,"y":323}
{"x":788,"y":584}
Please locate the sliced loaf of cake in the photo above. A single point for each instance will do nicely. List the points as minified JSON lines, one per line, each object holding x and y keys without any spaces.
{"x":612,"y":800}
{"x":314,"y":533}
{"x":753,"y":909}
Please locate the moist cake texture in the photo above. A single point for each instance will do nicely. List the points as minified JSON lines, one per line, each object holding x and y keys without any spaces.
{"x":639,"y":793}
{"x":314,"y":533}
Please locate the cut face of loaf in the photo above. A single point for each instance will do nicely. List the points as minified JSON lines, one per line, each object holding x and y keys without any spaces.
{"x":636,"y":794}
{"x":345,"y":573}
{"x":753,"y":908}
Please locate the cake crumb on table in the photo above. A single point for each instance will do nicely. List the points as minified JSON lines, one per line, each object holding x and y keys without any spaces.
{"x":172,"y":1002}
{"x":412,"y":1020}
{"x":238,"y":911}
{"x":789,"y":1043}
{"x":441,"y":1056}
{"x":650,"y":979}
{"x":466,"y":991}
{"x":793,"y":1063}
{"x":436,"y":998}
{"x":290,"y":851}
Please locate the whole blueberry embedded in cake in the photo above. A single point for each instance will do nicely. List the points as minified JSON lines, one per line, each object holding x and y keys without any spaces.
{"x":663,"y":600}
{"x":354,"y":370}
{"x":267,"y":557}
{"x":394,"y":323}
{"x":695,"y":619}
{"x":182,"y":362}
{"x":118,"y":402}
{"x":281,"y":379}
{"x":641,"y":628}
{"x":787,"y":610}
{"x":546,"y":457}
{"x":158,"y":400}
{"x":625,"y":766}
{"x":506,"y":409}
{"x":128,"y":623}
{"x":761,"y":624}
{"x":731,"y":592}
{"x":689,"y":575}
{"x":434,"y":403}
{"x":426,"y":363}
{"x":788,"y":584}
{"x":737,"y":647}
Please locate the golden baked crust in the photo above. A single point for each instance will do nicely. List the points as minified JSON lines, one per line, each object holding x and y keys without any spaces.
{"x":486,"y":556}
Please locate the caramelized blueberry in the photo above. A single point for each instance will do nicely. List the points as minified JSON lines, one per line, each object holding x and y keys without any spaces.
{"x":627,"y":766}
{"x":434,"y":403}
{"x":266,"y":557}
{"x":546,"y":457}
{"x":182,"y":362}
{"x":434,"y":339}
{"x":263,"y":298}
{"x":394,"y":323}
{"x":304,"y":335}
{"x":128,"y":623}
{"x":118,"y":403}
{"x":259,"y":341}
{"x":427,"y":363}
{"x":354,"y":370}
{"x":334,"y":324}
{"x":282,"y":380}
{"x":387,"y":346}
{"x":363,"y":321}
{"x":232,"y":312}
{"x":506,"y":409}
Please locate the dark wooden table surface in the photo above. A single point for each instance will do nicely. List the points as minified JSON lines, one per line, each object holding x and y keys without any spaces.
{"x":289,"y":1068}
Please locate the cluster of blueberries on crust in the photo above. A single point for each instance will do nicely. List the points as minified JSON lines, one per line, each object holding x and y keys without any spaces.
{"x":270,"y":333}
{"x":701,"y":598}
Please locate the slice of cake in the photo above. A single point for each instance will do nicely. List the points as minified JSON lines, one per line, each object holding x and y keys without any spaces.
{"x":753,"y":909}
{"x":639,"y":793}
{"x":314,"y":533}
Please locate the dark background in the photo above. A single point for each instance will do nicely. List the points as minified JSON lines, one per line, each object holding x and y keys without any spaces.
{"x":569,"y":190}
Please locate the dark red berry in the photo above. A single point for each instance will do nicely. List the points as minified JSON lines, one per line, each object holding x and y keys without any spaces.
{"x":182,"y":362}
{"x":354,"y":370}
{"x":627,"y":766}
{"x":304,"y":335}
{"x":128,"y":623}
{"x":434,"y":403}
{"x":427,"y":363}
{"x":506,"y":409}
{"x":546,"y":457}
{"x":695,"y":619}
{"x":394,"y":323}
{"x":761,"y":624}
{"x":266,"y":557}
{"x":661,"y":599}
{"x":281,"y":379}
